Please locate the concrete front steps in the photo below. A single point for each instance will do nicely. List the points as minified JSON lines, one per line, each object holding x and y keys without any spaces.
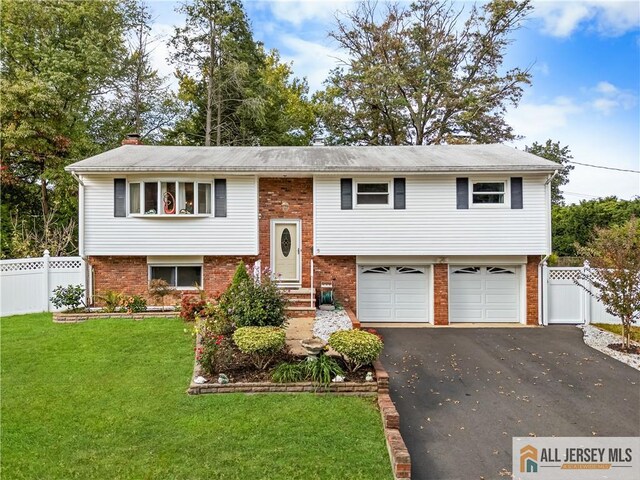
{"x":301,"y":303}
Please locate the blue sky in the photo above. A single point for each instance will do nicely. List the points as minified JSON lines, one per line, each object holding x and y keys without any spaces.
{"x":584,"y":56}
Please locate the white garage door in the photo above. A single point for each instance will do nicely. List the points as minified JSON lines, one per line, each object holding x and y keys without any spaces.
{"x":392,"y":294}
{"x":484,"y":294}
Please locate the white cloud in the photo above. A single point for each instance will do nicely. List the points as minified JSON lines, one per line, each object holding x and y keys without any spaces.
{"x":297,"y":12}
{"x":531,"y":119}
{"x":609,"y":18}
{"x":310,"y":59}
{"x":611,"y":98}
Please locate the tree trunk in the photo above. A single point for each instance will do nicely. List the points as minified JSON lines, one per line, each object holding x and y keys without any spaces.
{"x":219,"y":119}
{"x":207,"y":128}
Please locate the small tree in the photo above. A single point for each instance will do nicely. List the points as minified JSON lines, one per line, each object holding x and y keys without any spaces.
{"x":613,"y":270}
{"x":159,"y":289}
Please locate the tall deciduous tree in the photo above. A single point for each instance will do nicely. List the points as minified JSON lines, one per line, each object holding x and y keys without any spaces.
{"x":614,"y":272}
{"x":562,"y":156}
{"x":142,"y":101}
{"x":217,"y":60}
{"x":422,"y":75}
{"x":56,"y":57}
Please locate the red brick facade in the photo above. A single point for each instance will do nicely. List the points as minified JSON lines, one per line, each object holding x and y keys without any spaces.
{"x":291,"y":199}
{"x":441,"y":294}
{"x":532,"y":289}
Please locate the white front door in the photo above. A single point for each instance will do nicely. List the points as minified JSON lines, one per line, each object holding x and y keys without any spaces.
{"x":285,"y":251}
{"x":484,"y":294}
{"x":392,"y":294}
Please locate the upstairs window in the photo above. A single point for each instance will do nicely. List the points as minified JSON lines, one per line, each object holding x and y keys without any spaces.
{"x":372,"y":193}
{"x":170,"y":198}
{"x":484,"y":193}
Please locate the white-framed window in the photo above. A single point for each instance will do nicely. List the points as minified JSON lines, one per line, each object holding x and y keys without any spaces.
{"x":373,"y":194}
{"x":170,"y":198}
{"x":178,"y":276}
{"x":488,"y":192}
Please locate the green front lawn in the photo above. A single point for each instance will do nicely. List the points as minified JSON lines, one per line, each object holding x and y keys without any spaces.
{"x":106,"y":399}
{"x":635,"y":331}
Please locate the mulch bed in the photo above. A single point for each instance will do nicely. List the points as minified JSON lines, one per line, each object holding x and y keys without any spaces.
{"x":238,"y":367}
{"x":619,"y":347}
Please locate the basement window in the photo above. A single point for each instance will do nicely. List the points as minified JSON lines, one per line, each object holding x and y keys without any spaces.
{"x":178,"y":276}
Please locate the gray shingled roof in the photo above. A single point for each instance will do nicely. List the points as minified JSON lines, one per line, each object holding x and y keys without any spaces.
{"x":432,"y":158}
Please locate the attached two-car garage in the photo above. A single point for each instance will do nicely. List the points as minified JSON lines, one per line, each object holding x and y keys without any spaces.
{"x":402,"y":293}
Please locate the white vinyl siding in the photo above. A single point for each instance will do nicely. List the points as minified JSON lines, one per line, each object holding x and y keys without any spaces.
{"x":431,"y":224}
{"x":235,"y":234}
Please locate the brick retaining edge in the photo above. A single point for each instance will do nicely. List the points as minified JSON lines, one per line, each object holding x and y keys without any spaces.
{"x":59,"y":317}
{"x":398,"y":453}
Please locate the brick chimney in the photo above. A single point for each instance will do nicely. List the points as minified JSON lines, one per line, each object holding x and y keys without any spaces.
{"x":132,"y":139}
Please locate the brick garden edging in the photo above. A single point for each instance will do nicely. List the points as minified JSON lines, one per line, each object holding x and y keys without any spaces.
{"x":398,"y":453}
{"x":59,"y":317}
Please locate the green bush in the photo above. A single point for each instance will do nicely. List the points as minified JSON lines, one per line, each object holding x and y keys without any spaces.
{"x":251,"y":303}
{"x":288,"y":372}
{"x":357,"y":347}
{"x":214,"y":353}
{"x":135,"y":304}
{"x":214,"y":320}
{"x":69,"y":297}
{"x":262,"y":344}
{"x":112,"y":300}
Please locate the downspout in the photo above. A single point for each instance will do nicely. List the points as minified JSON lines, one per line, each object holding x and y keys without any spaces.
{"x":88,"y":273}
{"x":541,"y":289}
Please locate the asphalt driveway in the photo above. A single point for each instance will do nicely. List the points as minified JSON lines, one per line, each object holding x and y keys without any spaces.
{"x":462,"y":393}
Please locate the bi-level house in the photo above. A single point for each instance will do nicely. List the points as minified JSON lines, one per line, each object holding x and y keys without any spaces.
{"x":435,"y":234}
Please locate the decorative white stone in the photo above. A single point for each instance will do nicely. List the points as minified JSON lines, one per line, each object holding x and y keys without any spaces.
{"x":200,"y":380}
{"x":223,"y":379}
{"x":369,"y":377}
{"x":328,"y":322}
{"x":599,"y":339}
{"x":338,"y":379}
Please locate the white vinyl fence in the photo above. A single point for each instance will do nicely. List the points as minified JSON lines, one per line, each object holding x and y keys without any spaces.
{"x":26,"y":284}
{"x":565,"y":302}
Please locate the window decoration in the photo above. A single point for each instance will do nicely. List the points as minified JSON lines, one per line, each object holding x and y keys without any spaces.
{"x":372,"y":194}
{"x":179,"y":276}
{"x":285,"y":242}
{"x":410,"y":270}
{"x":500,"y":270}
{"x":376,"y":270}
{"x":467,"y":270}
{"x":488,"y":193}
{"x":168,"y":203}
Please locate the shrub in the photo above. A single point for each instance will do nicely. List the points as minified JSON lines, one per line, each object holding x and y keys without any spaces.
{"x":287,"y":372}
{"x":69,"y":297}
{"x":190,"y":306}
{"x":214,"y":319}
{"x":251,"y":303}
{"x":112,"y":300}
{"x":135,"y":304}
{"x":159,"y":289}
{"x":262,"y":344}
{"x":357,"y":347}
{"x":215,"y":351}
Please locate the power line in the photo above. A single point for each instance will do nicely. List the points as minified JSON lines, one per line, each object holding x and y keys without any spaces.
{"x":603,"y":167}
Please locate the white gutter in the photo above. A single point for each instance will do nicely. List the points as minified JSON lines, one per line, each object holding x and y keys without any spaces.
{"x":80,"y":215}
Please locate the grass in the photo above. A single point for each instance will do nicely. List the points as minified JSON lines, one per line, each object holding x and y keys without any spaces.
{"x":106,"y":399}
{"x":635,"y":331}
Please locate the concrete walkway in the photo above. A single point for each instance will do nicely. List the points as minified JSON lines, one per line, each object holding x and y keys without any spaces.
{"x":299,"y":329}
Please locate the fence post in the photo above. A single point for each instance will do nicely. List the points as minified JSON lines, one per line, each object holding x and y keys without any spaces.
{"x":45,"y":258}
{"x":545,"y":289}
{"x":586,"y":304}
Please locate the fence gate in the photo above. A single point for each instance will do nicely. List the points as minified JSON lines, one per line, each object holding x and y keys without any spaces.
{"x":26,"y":284}
{"x":565,"y":302}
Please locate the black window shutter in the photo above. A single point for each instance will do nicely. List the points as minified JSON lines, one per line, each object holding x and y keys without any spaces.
{"x":399,"y":194}
{"x":119,"y":197}
{"x":220,"y":187}
{"x":516,"y":192}
{"x":346,"y":194}
{"x":462,"y":193}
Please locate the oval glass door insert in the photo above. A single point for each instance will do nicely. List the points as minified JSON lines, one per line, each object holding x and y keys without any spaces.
{"x":285,"y":242}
